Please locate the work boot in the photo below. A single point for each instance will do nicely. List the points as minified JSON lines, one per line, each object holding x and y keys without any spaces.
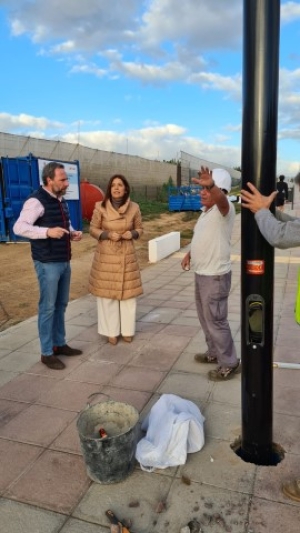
{"x":205,"y":358}
{"x":224,"y":374}
{"x":51,"y":361}
{"x":291,"y":489}
{"x":66,"y":350}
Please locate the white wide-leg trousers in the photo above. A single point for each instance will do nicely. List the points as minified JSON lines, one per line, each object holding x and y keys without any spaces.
{"x":116,"y":317}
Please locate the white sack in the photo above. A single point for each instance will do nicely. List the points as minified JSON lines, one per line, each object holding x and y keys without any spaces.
{"x":174,"y":428}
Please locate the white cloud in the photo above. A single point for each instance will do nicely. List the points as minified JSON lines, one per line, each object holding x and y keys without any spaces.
{"x":289,"y":98}
{"x":166,"y":31}
{"x":156,"y":142}
{"x":231,"y":85}
{"x":89,"y":69}
{"x":23,"y":123}
{"x":290,"y":11}
{"x":90,"y":24}
{"x":195,"y":23}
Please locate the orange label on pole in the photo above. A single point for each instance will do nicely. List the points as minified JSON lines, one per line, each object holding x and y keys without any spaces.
{"x":256,"y":267}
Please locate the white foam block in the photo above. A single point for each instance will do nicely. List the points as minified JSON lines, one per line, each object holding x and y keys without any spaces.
{"x":163,"y":246}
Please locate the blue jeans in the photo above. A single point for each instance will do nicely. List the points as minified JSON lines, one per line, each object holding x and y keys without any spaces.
{"x":54,"y":282}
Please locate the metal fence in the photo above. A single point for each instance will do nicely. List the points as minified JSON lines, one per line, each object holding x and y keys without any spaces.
{"x":191,"y":164}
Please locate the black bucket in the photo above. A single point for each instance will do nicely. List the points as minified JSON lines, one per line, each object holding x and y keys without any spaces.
{"x":111,"y":458}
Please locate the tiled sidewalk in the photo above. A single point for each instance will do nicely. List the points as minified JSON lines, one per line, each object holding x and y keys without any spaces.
{"x":43,"y":483}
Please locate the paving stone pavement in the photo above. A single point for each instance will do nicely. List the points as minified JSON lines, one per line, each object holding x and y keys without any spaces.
{"x":44,"y":486}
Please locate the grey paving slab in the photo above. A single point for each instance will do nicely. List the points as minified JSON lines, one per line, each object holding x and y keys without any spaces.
{"x":37,"y":425}
{"x":21,"y":518}
{"x":87,"y":319}
{"x":9,"y":409}
{"x":225,"y":394}
{"x":56,"y":481}
{"x":121,"y":354}
{"x":77,"y":526}
{"x":69,"y":395}
{"x":18,"y":457}
{"x":141,"y":489}
{"x":223,"y":421}
{"x":274,"y":517}
{"x":217,"y":464}
{"x":161,"y":315}
{"x":68,"y":440}
{"x":269,"y":480}
{"x":18,"y":336}
{"x":180,"y":330}
{"x":4,"y":352}
{"x":286,"y":431}
{"x":148,"y":357}
{"x":6,"y":376}
{"x":190,"y":386}
{"x":94,"y":372}
{"x":73,"y":331}
{"x":186,"y":321}
{"x":216,"y":509}
{"x":186,"y":362}
{"x":136,"y":378}
{"x":19,"y":361}
{"x":26,"y":387}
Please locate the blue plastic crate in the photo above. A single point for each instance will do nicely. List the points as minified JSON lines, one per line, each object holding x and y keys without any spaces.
{"x":184,"y":198}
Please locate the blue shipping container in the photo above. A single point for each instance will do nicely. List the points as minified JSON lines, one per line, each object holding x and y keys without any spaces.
{"x":19,"y":177}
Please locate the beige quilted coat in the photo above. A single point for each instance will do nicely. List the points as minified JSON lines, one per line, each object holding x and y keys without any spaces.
{"x":115,"y":272}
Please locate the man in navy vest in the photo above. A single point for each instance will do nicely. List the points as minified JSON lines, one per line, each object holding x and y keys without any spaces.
{"x":45,"y":220}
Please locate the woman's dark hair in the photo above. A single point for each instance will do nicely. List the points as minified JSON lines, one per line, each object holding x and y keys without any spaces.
{"x":108,"y":189}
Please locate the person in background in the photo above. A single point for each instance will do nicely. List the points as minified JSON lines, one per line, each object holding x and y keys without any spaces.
{"x":283,"y":193}
{"x":210,"y":257}
{"x":115,"y":275}
{"x":45,"y":220}
{"x":281,"y":231}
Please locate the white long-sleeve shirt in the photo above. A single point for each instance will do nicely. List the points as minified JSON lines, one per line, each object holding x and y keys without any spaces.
{"x":25,"y":224}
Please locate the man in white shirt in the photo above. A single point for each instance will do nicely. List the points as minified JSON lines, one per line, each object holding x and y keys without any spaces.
{"x":210,"y":258}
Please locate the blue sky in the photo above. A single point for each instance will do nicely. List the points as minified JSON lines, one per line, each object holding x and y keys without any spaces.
{"x":147,"y":78}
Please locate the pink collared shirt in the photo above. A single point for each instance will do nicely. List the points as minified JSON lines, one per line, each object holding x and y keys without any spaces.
{"x":24,"y":225}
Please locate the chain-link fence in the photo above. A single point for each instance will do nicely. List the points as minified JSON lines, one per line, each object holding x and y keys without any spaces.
{"x":191,"y":164}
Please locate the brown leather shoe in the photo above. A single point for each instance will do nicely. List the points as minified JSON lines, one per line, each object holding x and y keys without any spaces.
{"x":66,"y":350}
{"x":127,"y":339}
{"x":113,"y":340}
{"x":51,"y":361}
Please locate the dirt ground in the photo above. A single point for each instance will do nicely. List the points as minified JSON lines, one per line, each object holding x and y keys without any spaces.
{"x":18,"y":286}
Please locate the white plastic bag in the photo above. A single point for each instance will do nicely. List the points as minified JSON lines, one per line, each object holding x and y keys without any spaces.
{"x":174,"y":428}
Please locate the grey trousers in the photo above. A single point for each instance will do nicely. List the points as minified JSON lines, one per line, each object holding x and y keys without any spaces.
{"x":211,"y":295}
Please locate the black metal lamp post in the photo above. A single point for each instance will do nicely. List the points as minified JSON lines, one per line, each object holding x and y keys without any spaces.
{"x":259,"y":153}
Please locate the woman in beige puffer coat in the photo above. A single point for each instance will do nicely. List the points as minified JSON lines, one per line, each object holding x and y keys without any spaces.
{"x":115,"y":276}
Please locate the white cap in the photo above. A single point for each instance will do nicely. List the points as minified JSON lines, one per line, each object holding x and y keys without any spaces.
{"x":222,"y":179}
